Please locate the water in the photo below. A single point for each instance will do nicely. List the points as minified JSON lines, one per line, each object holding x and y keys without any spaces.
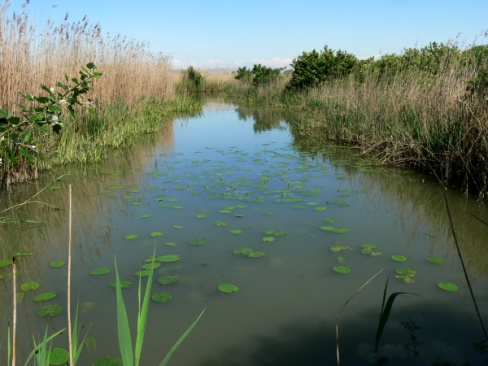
{"x":250,"y":169}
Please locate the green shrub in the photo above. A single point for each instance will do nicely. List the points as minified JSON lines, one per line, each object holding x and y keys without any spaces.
{"x":259,"y":75}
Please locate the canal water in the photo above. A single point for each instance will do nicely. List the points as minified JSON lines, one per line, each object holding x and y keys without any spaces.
{"x":241,"y":196}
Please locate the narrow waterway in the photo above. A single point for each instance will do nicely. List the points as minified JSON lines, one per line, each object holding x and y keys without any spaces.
{"x":316,"y":223}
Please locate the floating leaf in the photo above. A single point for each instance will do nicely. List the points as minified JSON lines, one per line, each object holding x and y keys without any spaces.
{"x":45,"y":296}
{"x":136,"y":203}
{"x":399,"y":258}
{"x":256,"y":254}
{"x":29,"y":286}
{"x":341,"y":269}
{"x":333,"y":229}
{"x":131,"y":236}
{"x":320,"y":208}
{"x":162,"y":297}
{"x":201,"y":216}
{"x":155,"y":234}
{"x":228,"y":288}
{"x":57,"y":264}
{"x":178,"y":226}
{"x":198,"y":242}
{"x":448,"y":286}
{"x":170,"y":244}
{"x":145,"y":216}
{"x":100,"y":271}
{"x":153,"y":265}
{"x":5,"y":262}
{"x":236,"y":231}
{"x":144,"y":273}
{"x":245,"y":251}
{"x":168,"y":279}
{"x":269,"y":239}
{"x":220,"y":223}
{"x":123,"y":284}
{"x":341,"y":259}
{"x":50,"y":310}
{"x":338,"y":248}
{"x":58,"y":356}
{"x":168,"y":258}
{"x":435,"y":260}
{"x":22,"y":254}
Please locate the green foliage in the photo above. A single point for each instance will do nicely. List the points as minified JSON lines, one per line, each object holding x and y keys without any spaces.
{"x":313,"y":68}
{"x":193,"y":80}
{"x":42,"y":115}
{"x":259,"y":75}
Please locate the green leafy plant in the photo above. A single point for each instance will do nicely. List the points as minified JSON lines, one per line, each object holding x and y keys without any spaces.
{"x":41,"y":115}
{"x":131,"y":356}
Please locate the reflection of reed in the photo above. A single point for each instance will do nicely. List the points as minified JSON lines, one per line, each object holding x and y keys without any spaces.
{"x":92,"y":222}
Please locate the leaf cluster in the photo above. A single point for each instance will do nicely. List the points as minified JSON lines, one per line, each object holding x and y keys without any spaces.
{"x":259,"y":75}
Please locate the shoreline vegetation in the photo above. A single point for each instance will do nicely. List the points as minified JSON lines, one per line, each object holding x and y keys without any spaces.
{"x":133,"y":94}
{"x":425,"y":109}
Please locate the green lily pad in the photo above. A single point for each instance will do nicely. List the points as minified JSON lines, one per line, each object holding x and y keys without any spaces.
{"x":341,"y":259}
{"x":100,"y":271}
{"x":146,"y":216}
{"x":168,"y":258}
{"x":168,"y":279}
{"x":5,"y":262}
{"x":178,"y":226}
{"x":236,"y":231}
{"x":123,"y":284}
{"x":221,"y":223}
{"x":144,"y":273}
{"x":29,"y":286}
{"x":448,"y":286}
{"x":131,"y":236}
{"x":153,"y":265}
{"x":45,"y":296}
{"x":136,"y":203}
{"x":50,"y":310}
{"x":435,"y":260}
{"x":228,"y":288}
{"x":341,"y":269}
{"x":58,"y":356}
{"x":22,"y":254}
{"x":198,"y":242}
{"x":162,"y":297}
{"x":399,"y":258}
{"x":155,"y":234}
{"x":245,"y":251}
{"x":269,"y":239}
{"x":333,"y":229}
{"x":339,"y":248}
{"x":256,"y":254}
{"x":56,"y":264}
{"x":201,"y":216}
{"x":320,"y":208}
{"x":170,"y":244}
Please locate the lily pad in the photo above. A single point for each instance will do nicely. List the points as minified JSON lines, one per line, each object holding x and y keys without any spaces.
{"x":236,"y":231}
{"x":435,"y":260}
{"x":168,"y":279}
{"x":221,"y":223}
{"x":201,"y":216}
{"x":228,"y":288}
{"x":50,"y":310}
{"x":341,"y":269}
{"x":256,"y":254}
{"x":29,"y":286}
{"x":153,"y":265}
{"x":131,"y":236}
{"x":144,"y":273}
{"x":168,"y":258}
{"x":100,"y":271}
{"x":341,"y":259}
{"x":245,"y":251}
{"x":339,"y":248}
{"x":146,"y":216}
{"x":58,"y":356}
{"x":448,"y":286}
{"x":399,"y":258}
{"x":269,"y":239}
{"x":334,"y":230}
{"x":56,"y":264}
{"x":5,"y":262}
{"x":198,"y":242}
{"x":162,"y":297}
{"x":155,"y":234}
{"x":45,"y":296}
{"x":123,"y":284}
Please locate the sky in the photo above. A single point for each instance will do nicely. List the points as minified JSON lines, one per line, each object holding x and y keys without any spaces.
{"x":227,"y":34}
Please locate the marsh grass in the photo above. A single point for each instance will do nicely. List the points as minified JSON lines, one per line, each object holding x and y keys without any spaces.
{"x":407,"y":117}
{"x":135,"y":95}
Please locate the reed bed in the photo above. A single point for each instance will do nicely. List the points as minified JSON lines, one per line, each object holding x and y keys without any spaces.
{"x":403,"y":118}
{"x":134,"y":95}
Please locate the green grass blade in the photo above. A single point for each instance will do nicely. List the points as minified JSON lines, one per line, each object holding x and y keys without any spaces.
{"x":77,"y":348}
{"x":385,"y":314}
{"x":182,"y":338}
{"x":125,"y":340}
{"x":9,"y":345}
{"x":143,"y":313}
{"x":40,"y":350}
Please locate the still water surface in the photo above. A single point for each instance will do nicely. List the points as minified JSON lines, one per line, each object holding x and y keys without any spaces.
{"x":232,"y":176}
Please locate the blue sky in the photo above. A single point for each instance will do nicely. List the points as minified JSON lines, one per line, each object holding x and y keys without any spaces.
{"x":211,"y":34}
